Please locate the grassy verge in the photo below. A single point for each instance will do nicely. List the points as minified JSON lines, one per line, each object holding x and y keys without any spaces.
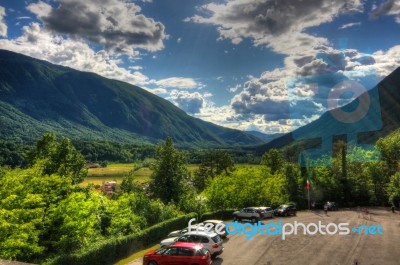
{"x":137,"y":255}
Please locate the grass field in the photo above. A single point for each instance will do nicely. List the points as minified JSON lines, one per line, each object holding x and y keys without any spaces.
{"x":115,"y":172}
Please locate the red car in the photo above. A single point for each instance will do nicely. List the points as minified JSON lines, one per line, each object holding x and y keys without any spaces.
{"x":180,"y":253}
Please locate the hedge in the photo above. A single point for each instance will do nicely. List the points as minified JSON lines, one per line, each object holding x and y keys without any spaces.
{"x":219,"y":215}
{"x":110,"y":251}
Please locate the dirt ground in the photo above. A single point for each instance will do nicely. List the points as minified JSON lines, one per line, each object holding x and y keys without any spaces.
{"x":300,"y":249}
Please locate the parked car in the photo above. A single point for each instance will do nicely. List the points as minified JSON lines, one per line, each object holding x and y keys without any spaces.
{"x":179,"y":253}
{"x":211,"y":241}
{"x":178,"y":233}
{"x":249,"y":213}
{"x":214,"y":223}
{"x":285,"y":210}
{"x":332,"y":206}
{"x":267,"y":212}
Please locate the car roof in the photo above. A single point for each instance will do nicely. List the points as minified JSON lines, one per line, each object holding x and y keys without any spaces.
{"x":201,"y":233}
{"x":187,"y":245}
{"x":213,"y":221}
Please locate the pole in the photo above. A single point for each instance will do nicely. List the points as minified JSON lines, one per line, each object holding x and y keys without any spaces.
{"x":308,"y":190}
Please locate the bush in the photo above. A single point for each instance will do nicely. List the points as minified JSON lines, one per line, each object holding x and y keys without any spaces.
{"x":219,"y":215}
{"x":112,"y":250}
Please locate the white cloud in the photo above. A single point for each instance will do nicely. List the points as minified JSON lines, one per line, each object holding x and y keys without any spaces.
{"x":23,"y":17}
{"x":157,"y":91}
{"x":136,"y":67}
{"x":350,"y":25}
{"x":178,"y":83}
{"x":235,"y":88}
{"x":42,"y":44}
{"x":3,"y":25}
{"x":115,"y":24}
{"x":179,"y":40}
{"x":272,"y":23}
{"x":189,"y":102}
{"x":387,"y":61}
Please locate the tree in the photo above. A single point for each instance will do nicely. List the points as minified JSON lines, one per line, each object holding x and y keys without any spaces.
{"x":214,"y":162}
{"x":393,"y":189}
{"x":274,"y":160}
{"x":169,"y":171}
{"x":59,"y":158}
{"x":129,"y":185}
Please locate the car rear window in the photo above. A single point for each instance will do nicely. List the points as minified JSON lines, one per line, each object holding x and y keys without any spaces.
{"x":216,"y":238}
{"x":202,"y":252}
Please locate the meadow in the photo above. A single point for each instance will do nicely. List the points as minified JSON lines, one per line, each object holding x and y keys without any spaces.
{"x":116,"y":171}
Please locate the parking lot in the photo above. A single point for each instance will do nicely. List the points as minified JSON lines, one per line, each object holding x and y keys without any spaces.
{"x":319,"y":249}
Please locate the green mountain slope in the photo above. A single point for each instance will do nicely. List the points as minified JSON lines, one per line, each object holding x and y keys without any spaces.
{"x":384,"y":112}
{"x":37,"y":97}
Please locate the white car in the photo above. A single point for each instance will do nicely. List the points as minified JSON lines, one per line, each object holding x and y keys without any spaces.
{"x":178,"y":233}
{"x":215,"y":223}
{"x":267,"y":212}
{"x":211,"y":241}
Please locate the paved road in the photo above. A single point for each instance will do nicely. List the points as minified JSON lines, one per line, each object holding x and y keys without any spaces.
{"x":319,"y":249}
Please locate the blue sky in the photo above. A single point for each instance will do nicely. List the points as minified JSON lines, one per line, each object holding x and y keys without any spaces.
{"x":227,"y":62}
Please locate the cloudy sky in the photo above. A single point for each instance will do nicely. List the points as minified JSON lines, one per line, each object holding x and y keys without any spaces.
{"x":247,"y":64}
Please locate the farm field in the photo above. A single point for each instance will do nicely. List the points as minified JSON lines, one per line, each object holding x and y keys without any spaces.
{"x":116,"y":171}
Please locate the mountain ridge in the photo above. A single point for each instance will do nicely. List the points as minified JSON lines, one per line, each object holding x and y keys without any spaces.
{"x":37,"y":96}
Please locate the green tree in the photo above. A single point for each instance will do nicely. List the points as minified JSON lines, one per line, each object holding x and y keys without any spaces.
{"x":213,"y":163}
{"x":390,"y":151}
{"x":393,"y":189}
{"x":274,"y":160}
{"x":59,"y":157}
{"x":169,"y":172}
{"x":245,"y":187}
{"x":76,"y":221}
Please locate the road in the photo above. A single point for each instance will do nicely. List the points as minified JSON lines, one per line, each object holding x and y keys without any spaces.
{"x":319,"y":249}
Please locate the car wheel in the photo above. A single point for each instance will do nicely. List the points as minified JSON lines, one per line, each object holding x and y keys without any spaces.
{"x":152,"y":263}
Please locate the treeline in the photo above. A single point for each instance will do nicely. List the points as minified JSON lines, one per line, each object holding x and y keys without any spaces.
{"x":16,"y":153}
{"x":351,"y":177}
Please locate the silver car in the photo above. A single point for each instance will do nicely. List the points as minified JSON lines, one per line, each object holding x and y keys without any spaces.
{"x":267,"y":212}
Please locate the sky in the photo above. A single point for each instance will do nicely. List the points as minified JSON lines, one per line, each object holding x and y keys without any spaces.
{"x":243,"y":64}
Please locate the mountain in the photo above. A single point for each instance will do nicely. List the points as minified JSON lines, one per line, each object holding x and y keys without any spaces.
{"x":381,"y":119}
{"x":265,"y":137}
{"x":37,"y":97}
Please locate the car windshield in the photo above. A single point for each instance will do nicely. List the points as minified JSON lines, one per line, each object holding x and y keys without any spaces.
{"x":160,"y":251}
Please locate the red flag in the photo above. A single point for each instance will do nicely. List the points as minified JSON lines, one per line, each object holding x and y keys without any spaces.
{"x":308,"y":183}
